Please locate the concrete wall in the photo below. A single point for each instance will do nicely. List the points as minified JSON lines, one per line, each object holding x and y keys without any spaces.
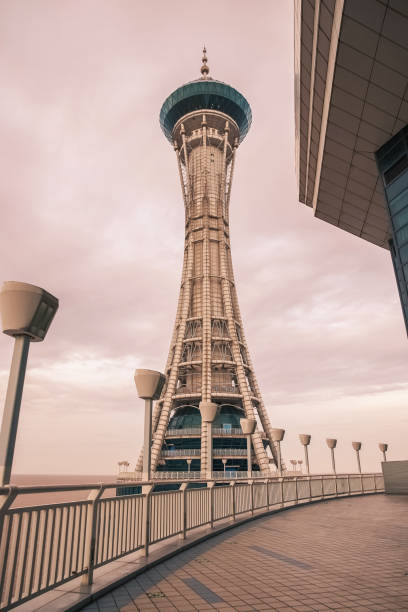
{"x":395,"y":477}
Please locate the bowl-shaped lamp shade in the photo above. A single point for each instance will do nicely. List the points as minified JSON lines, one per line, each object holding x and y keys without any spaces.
{"x":356,"y":445}
{"x":26,"y":310}
{"x":383,"y":447}
{"x":149,"y":383}
{"x":248,"y":426}
{"x":209,"y":411}
{"x":305,"y":439}
{"x":331,"y":442}
{"x":277,"y":434}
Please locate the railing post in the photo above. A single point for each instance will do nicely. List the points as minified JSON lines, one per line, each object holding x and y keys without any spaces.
{"x":147,"y":492}
{"x":251,"y":484}
{"x":362,"y":483}
{"x":281,"y":488}
{"x":5,"y":502}
{"x":375,"y":482}
{"x":210,"y":485}
{"x":233,"y":500}
{"x":322,"y":486}
{"x":310,"y":488}
{"x":183,"y":489}
{"x":296,"y":491}
{"x":335,"y":485}
{"x":90,"y":535}
{"x":267,"y":493}
{"x":348,"y":484}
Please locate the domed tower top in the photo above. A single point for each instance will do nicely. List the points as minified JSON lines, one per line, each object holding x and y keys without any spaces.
{"x":203,"y":94}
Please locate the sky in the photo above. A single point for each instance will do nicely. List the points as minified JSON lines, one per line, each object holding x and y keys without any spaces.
{"x":92,"y":211}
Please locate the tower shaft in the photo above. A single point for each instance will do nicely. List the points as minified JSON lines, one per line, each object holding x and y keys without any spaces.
{"x":208,"y":358}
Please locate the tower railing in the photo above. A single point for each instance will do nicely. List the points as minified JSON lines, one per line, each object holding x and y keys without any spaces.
{"x":217,"y":431}
{"x":46,"y":545}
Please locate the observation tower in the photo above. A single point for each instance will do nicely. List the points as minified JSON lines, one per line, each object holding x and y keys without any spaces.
{"x":208,"y":363}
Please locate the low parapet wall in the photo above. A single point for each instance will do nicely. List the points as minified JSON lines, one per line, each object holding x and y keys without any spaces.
{"x":395,"y":477}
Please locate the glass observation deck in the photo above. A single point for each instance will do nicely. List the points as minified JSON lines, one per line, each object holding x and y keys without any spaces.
{"x":205,"y":94}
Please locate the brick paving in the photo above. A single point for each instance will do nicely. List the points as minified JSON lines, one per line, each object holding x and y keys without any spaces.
{"x":347,"y":554}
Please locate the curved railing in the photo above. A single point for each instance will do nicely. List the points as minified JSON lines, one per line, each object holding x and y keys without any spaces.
{"x":44,"y":546}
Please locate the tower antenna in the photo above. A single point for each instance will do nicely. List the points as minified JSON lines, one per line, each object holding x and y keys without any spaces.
{"x":204,"y":68}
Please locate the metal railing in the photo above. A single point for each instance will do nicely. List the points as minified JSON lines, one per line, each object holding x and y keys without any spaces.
{"x":194,"y":452}
{"x":44,"y":546}
{"x":181,"y":452}
{"x":216,"y":431}
{"x":225,"y":389}
{"x":193,"y":431}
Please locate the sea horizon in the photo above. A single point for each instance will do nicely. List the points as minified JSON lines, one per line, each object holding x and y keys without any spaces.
{"x":43,"y":498}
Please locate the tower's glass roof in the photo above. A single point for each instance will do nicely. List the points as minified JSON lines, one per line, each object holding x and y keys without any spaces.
{"x":205,"y":94}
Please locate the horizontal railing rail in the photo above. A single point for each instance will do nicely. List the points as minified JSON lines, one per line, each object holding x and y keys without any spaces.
{"x":44,"y":546}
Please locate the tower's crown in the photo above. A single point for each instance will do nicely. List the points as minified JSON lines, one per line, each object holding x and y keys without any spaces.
{"x":205,"y":94}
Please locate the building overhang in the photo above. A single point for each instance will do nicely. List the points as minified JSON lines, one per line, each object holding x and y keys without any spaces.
{"x":351,"y":96}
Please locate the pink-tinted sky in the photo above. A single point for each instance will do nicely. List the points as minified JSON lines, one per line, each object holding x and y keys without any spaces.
{"x":92,"y":211}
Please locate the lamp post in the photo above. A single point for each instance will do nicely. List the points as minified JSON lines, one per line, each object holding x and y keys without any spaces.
{"x":27,"y":312}
{"x":294,"y":463}
{"x":305,"y":440}
{"x":248,"y":427}
{"x":300,"y":461}
{"x":332,"y":443}
{"x":277,"y":436}
{"x":209,"y":411}
{"x":149,"y":385}
{"x":357,"y":447}
{"x":383,"y":448}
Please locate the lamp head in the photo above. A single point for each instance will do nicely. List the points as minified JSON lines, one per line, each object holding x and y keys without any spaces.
{"x":149,"y":383}
{"x":305,"y":439}
{"x":209,"y":411}
{"x":248,"y":426}
{"x":26,"y":310}
{"x":356,"y":446}
{"x":277,"y":434}
{"x":331,"y":442}
{"x":383,"y":447}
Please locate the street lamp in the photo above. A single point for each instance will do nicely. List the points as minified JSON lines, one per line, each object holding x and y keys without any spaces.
{"x":332,"y":443}
{"x":383,"y":448}
{"x":209,"y":411}
{"x":149,"y":385}
{"x":357,"y":447}
{"x":277,"y":436}
{"x":26,"y":312}
{"x":294,"y":463}
{"x":305,"y":440}
{"x":300,"y":461}
{"x":248,"y":427}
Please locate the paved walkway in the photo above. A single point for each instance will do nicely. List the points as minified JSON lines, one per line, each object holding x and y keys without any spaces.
{"x":346,"y":554}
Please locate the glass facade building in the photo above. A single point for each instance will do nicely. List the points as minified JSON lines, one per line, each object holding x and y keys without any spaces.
{"x":392,"y":161}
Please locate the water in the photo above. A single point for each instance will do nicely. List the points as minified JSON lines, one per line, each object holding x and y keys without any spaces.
{"x":57,"y":479}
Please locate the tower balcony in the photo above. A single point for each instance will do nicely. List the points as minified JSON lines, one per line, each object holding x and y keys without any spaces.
{"x":188,"y":391}
{"x":195,"y":432}
{"x":181,"y":452}
{"x":196,"y":452}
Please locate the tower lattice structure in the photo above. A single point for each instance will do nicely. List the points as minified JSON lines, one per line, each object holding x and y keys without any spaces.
{"x":208,"y":361}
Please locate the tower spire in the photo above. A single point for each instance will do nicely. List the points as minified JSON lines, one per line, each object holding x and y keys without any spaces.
{"x":204,"y":68}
